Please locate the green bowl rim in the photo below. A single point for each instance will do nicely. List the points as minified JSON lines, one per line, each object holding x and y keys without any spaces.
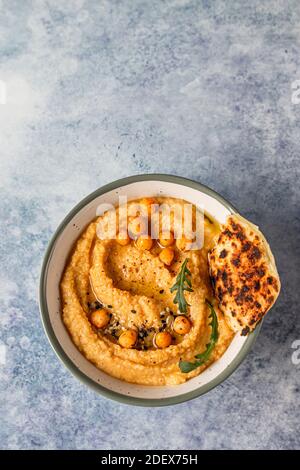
{"x":147,"y":402}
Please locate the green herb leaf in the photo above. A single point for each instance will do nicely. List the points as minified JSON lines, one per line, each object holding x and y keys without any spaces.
{"x":183,"y":283}
{"x":186,"y":366}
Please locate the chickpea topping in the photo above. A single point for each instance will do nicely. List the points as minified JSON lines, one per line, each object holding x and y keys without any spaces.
{"x":128,"y":339}
{"x":100,"y":318}
{"x":123,"y":238}
{"x":182,"y":325}
{"x":166,"y":239}
{"x":144,"y":242}
{"x":166,"y":256}
{"x":137,"y":227}
{"x":183,"y":244}
{"x":147,"y":203}
{"x":163,"y":339}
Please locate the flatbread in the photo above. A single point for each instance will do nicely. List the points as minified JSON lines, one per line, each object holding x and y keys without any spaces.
{"x":243,"y":274}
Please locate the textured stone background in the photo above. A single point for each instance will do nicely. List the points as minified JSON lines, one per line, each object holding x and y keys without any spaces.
{"x":98,"y":90}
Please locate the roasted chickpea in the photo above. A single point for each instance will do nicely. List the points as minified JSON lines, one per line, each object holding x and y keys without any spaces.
{"x":163,"y":339}
{"x":182,"y":325}
{"x":147,"y":202}
{"x":183,"y":244}
{"x":137,"y":226}
{"x":128,"y":339}
{"x":166,"y":239}
{"x":100,"y":318}
{"x":144,"y":242}
{"x":166,"y":256}
{"x":123,"y":238}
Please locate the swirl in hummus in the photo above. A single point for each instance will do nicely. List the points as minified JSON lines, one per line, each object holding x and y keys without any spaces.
{"x":120,"y":313}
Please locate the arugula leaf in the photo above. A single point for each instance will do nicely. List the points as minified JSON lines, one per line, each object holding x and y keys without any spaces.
{"x":186,"y":366}
{"x":183,"y":283}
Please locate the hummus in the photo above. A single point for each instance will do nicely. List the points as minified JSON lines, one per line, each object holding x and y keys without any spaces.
{"x":132,"y":286}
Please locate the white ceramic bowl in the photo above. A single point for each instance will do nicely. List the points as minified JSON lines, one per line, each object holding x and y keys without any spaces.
{"x":53,"y":265}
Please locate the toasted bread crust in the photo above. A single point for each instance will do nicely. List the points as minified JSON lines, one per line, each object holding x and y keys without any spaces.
{"x":243,"y":274}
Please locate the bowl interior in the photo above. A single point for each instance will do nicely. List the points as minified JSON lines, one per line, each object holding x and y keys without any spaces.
{"x":64,"y":241}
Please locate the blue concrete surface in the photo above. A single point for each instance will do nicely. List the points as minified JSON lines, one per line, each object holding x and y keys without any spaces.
{"x":98,"y":90}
